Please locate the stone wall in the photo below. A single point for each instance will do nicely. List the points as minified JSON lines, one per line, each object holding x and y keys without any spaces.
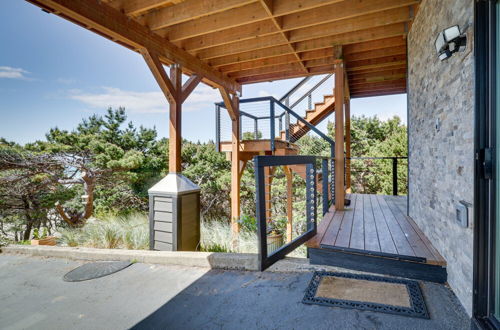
{"x":441,"y":159}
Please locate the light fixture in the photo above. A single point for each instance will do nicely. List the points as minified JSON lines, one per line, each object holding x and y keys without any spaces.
{"x":450,"y":41}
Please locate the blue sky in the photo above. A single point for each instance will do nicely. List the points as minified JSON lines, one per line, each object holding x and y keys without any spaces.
{"x":54,"y":73}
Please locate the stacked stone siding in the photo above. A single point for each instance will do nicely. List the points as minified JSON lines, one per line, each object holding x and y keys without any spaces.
{"x":441,"y":159}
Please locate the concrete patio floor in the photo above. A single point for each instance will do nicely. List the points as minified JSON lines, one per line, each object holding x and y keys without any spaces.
{"x":144,"y":296}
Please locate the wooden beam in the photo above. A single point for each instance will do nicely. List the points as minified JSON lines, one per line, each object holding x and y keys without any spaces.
{"x":109,"y":22}
{"x":374,"y":45}
{"x":156,"y":67}
{"x":231,"y":103}
{"x":235,"y":34}
{"x":190,"y":10}
{"x":362,"y":22}
{"x":310,"y":45}
{"x":240,"y":16}
{"x":216,"y":22}
{"x":268,"y":69}
{"x":339,"y":137}
{"x":189,"y":86}
{"x":268,"y":6}
{"x":138,"y":7}
{"x":342,"y":10}
{"x":285,"y":75}
{"x":378,"y":93}
{"x":383,"y":52}
{"x":307,"y":43}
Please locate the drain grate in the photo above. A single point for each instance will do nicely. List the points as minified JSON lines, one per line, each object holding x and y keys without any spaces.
{"x":95,"y":270}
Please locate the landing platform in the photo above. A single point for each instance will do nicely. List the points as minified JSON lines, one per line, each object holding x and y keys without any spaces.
{"x":374,"y":234}
{"x":257,"y":146}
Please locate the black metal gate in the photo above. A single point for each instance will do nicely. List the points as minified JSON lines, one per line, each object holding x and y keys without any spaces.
{"x":266,"y":259}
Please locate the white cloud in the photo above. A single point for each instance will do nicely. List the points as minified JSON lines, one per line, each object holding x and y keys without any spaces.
{"x":12,"y":73}
{"x":144,"y":102}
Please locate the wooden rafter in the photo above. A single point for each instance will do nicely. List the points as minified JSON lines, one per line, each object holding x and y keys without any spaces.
{"x":277,"y":21}
{"x":234,"y":42}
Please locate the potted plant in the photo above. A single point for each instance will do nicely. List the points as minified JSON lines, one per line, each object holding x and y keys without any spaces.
{"x":275,"y":235}
{"x":42,"y":239}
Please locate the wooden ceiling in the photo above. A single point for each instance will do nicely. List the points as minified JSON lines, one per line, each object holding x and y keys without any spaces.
{"x":249,"y":41}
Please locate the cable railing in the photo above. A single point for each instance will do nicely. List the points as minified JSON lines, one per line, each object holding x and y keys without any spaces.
{"x":261,"y":119}
{"x":379,"y":175}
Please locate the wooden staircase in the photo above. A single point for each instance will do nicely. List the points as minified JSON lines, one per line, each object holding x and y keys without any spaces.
{"x":314,"y":116}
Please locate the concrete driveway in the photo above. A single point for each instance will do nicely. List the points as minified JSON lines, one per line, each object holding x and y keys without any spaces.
{"x":143,"y":296}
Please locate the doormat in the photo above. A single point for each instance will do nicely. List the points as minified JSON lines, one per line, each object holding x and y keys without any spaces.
{"x":95,"y":270}
{"x":367,"y":292}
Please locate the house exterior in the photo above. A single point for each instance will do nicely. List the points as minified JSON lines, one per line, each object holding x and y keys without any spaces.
{"x":374,"y":47}
{"x":441,"y":137}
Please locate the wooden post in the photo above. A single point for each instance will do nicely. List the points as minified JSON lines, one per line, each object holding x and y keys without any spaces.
{"x":175,"y":136}
{"x":289,"y":203}
{"x":232,"y":106}
{"x":348,"y":144}
{"x":176,"y":94}
{"x":339,"y":136}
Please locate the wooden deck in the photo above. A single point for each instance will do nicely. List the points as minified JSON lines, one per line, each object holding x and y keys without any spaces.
{"x":374,"y":226}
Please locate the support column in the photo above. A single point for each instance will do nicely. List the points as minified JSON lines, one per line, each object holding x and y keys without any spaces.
{"x":176,"y":93}
{"x":232,"y":106}
{"x":348,"y":144}
{"x":175,"y":136}
{"x":289,"y":203}
{"x":339,"y":136}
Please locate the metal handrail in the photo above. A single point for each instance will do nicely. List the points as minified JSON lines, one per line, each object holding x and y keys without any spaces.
{"x":310,"y":91}
{"x":294,"y":88}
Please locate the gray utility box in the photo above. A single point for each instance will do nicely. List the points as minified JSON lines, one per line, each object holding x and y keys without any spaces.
{"x":174,"y":214}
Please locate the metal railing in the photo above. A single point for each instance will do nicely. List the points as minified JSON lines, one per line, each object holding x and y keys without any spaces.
{"x":268,"y":125}
{"x":367,"y":174}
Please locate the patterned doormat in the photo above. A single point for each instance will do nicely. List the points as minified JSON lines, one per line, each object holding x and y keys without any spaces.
{"x":95,"y":270}
{"x":367,"y":292}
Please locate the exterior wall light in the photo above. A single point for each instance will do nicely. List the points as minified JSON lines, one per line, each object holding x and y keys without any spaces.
{"x":450,"y":41}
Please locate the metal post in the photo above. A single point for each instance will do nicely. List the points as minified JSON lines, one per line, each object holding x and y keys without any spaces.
{"x":217,"y":128}
{"x":309,"y":102}
{"x":332,"y":166}
{"x":256,"y":129}
{"x":324,"y":182}
{"x":311,"y":212}
{"x":271,"y":104}
{"x":395,"y":176}
{"x":261,"y":214}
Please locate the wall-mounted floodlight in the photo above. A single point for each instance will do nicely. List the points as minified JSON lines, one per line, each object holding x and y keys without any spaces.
{"x":450,"y":41}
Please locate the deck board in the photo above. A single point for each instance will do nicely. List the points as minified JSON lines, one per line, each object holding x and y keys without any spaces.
{"x":375,"y":224}
{"x":384,"y":234}
{"x":371,"y":235}
{"x":402,"y":245}
{"x":357,"y":240}
{"x":413,"y":238}
{"x":344,"y":234}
